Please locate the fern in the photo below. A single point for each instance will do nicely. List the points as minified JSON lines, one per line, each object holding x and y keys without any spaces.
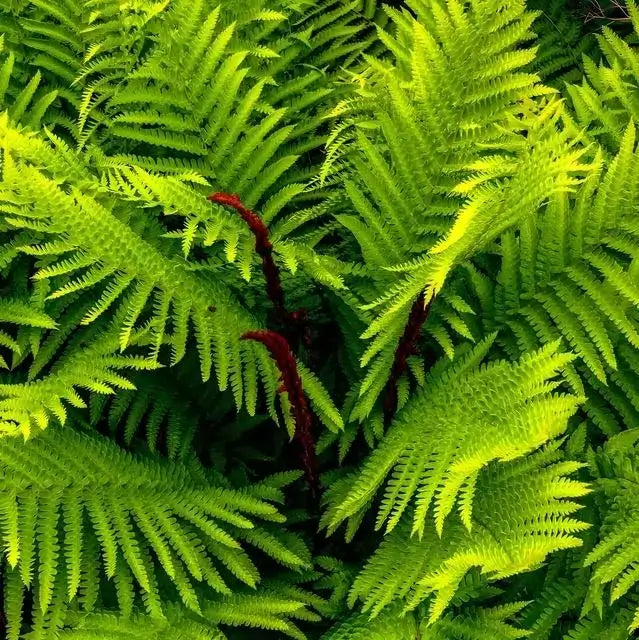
{"x":488,"y":122}
{"x":562,"y":42}
{"x":472,"y":624}
{"x":272,"y":267}
{"x":131,"y":272}
{"x":271,"y":608}
{"x":604,"y":101}
{"x":501,"y":538}
{"x":437,"y":461}
{"x":614,"y":556}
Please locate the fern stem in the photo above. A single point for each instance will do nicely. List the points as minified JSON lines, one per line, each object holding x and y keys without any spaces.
{"x":293,"y":325}
{"x":406,"y":347}
{"x":263,"y":248}
{"x":280,"y":350}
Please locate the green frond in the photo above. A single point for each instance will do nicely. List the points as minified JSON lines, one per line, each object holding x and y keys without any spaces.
{"x":129,"y":505}
{"x":473,"y":623}
{"x":17,"y":312}
{"x":129,"y":270}
{"x":615,"y":555}
{"x":272,"y":607}
{"x":613,"y":625}
{"x":27,"y":106}
{"x":571,"y":276}
{"x":29,"y":406}
{"x":562,"y":41}
{"x":391,"y":626}
{"x":476,"y":157}
{"x":155,"y":411}
{"x":488,"y":123}
{"x":506,"y":538}
{"x":430,"y":453}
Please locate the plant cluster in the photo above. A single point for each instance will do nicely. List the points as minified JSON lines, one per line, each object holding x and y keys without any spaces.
{"x":319,"y":319}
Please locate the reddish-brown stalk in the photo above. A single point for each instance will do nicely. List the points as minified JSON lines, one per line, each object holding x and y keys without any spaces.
{"x":406,"y":347}
{"x":280,"y":350}
{"x":294,"y":327}
{"x":263,"y":248}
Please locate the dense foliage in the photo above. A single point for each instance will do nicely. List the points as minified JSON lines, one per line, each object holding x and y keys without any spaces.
{"x":319,"y":319}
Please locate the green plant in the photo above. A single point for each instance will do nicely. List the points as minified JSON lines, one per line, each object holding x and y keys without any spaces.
{"x":318,"y":320}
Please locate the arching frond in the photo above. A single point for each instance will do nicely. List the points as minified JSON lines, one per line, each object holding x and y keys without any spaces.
{"x":515,"y":525}
{"x":130,"y":506}
{"x":450,"y":151}
{"x":431,"y":451}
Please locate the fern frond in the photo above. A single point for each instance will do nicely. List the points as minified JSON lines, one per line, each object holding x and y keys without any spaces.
{"x":614,"y":557}
{"x":430,"y":449}
{"x":133,"y":269}
{"x":29,"y":406}
{"x":434,"y":168}
{"x":131,"y":505}
{"x":509,"y":535}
